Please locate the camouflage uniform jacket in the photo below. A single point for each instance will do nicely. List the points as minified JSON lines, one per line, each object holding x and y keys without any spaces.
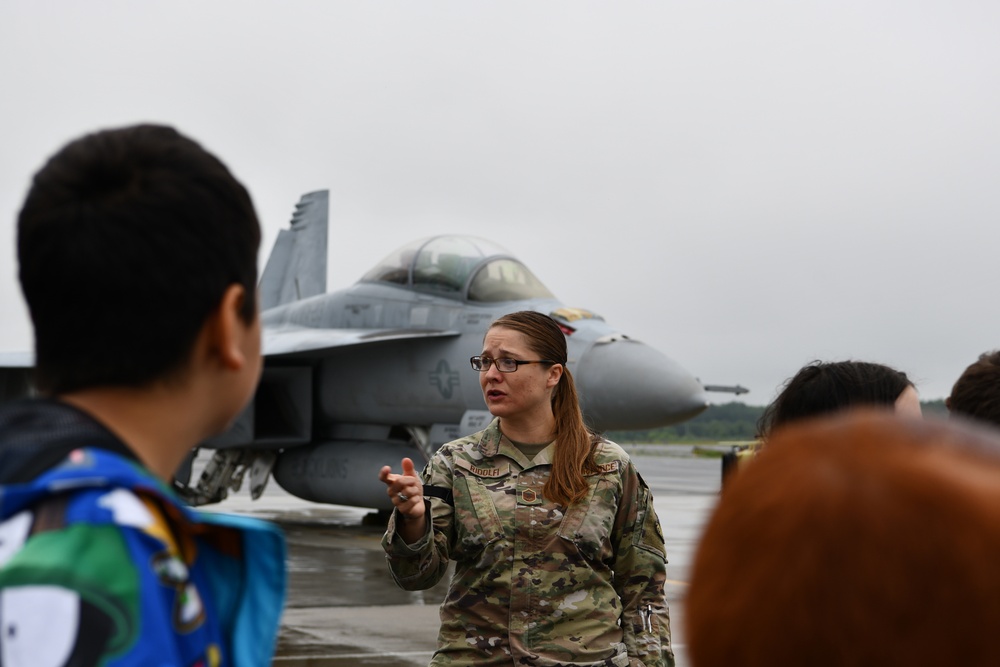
{"x":536,"y":583}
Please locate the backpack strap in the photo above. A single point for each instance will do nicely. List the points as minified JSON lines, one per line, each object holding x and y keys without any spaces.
{"x":49,"y":514}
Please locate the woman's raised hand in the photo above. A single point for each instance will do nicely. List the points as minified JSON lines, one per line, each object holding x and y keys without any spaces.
{"x":406,"y":491}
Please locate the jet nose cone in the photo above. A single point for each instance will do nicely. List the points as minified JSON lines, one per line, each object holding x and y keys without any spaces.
{"x":627,"y":385}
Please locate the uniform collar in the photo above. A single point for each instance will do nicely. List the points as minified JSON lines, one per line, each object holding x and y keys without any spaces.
{"x":493,"y":443}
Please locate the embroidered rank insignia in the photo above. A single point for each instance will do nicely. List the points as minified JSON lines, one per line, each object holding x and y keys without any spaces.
{"x":530,"y":497}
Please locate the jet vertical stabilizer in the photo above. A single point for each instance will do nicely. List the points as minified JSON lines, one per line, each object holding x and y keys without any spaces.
{"x":296,"y":268}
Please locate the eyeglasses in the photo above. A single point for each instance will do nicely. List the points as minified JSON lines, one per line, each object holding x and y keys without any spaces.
{"x":482,"y":364}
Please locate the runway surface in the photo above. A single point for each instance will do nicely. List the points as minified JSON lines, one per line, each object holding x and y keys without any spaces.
{"x":344,"y":609}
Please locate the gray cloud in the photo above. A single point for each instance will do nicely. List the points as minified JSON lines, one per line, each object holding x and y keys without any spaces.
{"x":747,"y":186}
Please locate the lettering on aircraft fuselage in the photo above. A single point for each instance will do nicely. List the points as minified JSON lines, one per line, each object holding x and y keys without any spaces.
{"x":477,"y":319}
{"x":325,"y":468}
{"x":444,"y":379}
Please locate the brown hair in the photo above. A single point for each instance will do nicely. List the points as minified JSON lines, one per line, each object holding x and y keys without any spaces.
{"x":853,"y":540}
{"x":976,"y":393}
{"x":574,"y":452}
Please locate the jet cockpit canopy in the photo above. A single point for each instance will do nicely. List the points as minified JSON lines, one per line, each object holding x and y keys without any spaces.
{"x":459,"y":267}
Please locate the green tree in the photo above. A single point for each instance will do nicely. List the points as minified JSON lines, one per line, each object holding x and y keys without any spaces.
{"x":733,"y":421}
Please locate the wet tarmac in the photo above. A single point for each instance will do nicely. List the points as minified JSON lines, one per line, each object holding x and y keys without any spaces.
{"x":344,"y":609}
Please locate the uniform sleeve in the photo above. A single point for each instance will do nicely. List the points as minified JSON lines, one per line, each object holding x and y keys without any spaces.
{"x":420,"y":565}
{"x":640,"y":575}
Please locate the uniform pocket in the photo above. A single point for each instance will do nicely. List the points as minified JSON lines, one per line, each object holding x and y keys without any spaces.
{"x":621,"y":658}
{"x":649,"y":535}
{"x":477,"y":521}
{"x":588,"y":523}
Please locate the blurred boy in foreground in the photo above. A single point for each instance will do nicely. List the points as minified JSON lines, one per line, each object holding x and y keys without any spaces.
{"x":137,"y":256}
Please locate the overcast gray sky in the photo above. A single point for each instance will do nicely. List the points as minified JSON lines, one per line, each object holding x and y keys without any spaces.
{"x":747,"y":186}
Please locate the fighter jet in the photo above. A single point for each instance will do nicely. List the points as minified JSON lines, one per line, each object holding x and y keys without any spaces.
{"x":361,"y":377}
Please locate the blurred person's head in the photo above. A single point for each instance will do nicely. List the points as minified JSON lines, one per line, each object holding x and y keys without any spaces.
{"x":976,"y":393}
{"x":821,"y":388}
{"x":854,"y":539}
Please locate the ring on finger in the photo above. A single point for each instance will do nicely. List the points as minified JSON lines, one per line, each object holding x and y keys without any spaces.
{"x":402,"y":496}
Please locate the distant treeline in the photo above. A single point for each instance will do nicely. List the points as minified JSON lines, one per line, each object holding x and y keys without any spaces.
{"x":728,"y":421}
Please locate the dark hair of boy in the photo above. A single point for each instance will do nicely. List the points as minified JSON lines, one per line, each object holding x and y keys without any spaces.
{"x":152,"y":230}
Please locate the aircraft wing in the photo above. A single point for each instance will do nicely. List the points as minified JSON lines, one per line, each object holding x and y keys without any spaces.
{"x":302,"y":341}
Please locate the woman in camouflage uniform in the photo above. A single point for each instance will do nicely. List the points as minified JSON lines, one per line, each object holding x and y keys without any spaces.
{"x":559,"y":553}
